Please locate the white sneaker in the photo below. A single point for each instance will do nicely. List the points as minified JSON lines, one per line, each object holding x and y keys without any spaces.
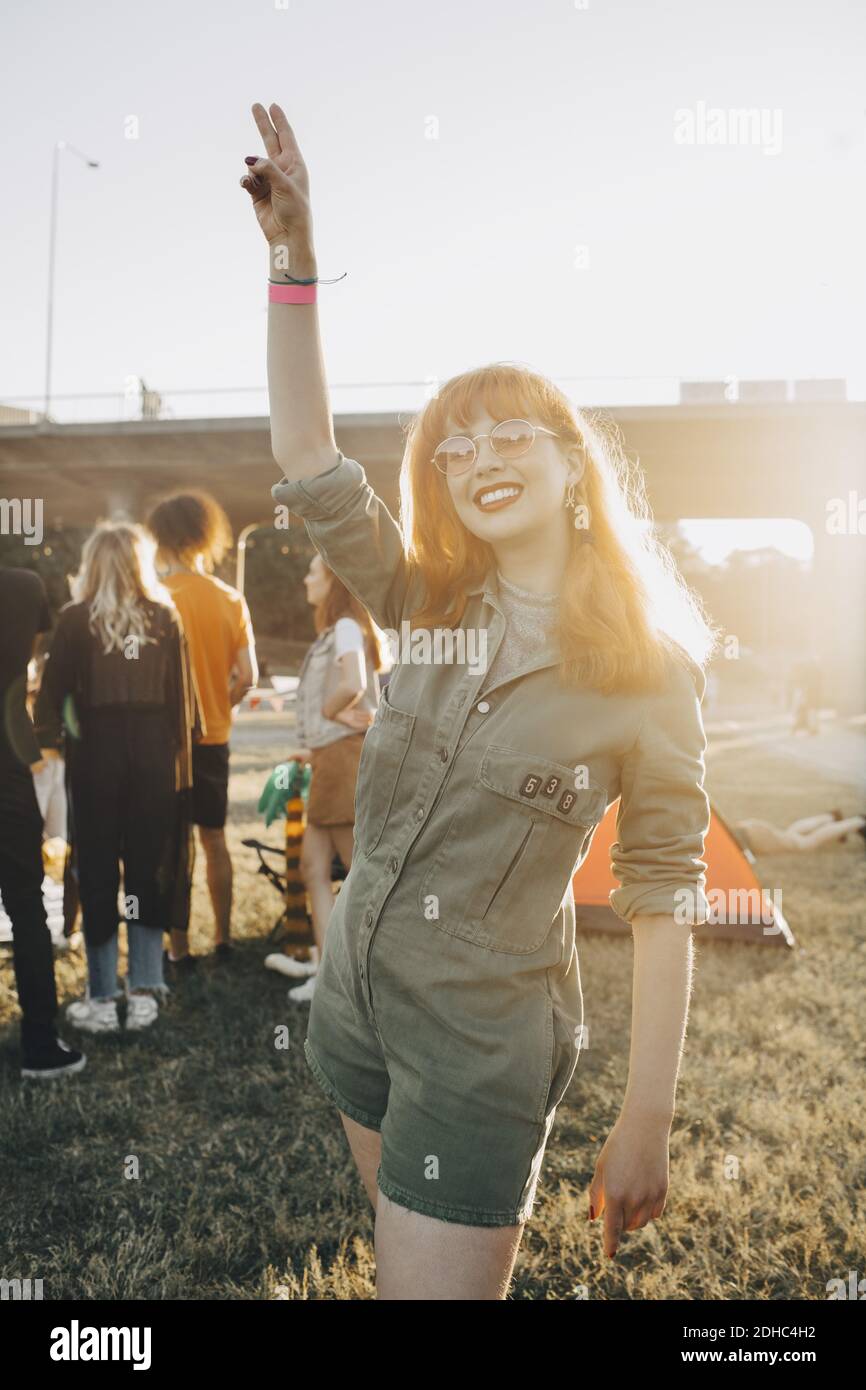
{"x":141,"y":1011}
{"x":94,"y":1015}
{"x":287,"y":965}
{"x":303,"y":993}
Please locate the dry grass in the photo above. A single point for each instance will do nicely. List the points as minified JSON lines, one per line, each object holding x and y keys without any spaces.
{"x":246,"y":1188}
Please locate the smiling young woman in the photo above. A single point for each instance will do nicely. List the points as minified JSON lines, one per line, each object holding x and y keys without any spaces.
{"x":624,"y":603}
{"x":448,"y":1015}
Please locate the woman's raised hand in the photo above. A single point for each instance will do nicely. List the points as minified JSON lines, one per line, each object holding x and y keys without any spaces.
{"x":278,"y":183}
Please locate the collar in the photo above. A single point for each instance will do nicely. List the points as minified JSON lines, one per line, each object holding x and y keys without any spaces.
{"x":489,"y":586}
{"x":549,"y":655}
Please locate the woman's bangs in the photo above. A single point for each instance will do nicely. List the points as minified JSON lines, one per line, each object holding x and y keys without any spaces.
{"x":501,"y":397}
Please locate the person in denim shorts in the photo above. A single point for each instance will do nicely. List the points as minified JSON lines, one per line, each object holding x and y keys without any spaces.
{"x":549,"y":661}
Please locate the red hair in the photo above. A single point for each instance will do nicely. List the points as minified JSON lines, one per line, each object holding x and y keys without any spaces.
{"x":340,"y":603}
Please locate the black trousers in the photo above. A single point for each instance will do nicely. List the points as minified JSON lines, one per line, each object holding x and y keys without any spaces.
{"x":21,"y":875}
{"x":123,"y":804}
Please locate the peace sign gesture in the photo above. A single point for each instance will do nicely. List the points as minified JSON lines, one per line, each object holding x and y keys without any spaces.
{"x":279,"y":184}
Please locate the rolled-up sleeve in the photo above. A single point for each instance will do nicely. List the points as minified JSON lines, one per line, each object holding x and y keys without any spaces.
{"x":357,"y":538}
{"x":664,"y":812}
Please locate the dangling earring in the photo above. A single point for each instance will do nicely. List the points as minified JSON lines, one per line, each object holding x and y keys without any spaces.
{"x":572,"y":502}
{"x":579,"y":510}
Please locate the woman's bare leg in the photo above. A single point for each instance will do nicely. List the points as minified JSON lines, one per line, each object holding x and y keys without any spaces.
{"x":765,"y":838}
{"x":418,"y":1257}
{"x":317,"y":853}
{"x":826,"y":834}
{"x":801,"y":827}
{"x":343,"y":837}
{"x":366,"y":1146}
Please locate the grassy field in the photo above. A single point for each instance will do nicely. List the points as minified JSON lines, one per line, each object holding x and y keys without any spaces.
{"x":246,"y":1189}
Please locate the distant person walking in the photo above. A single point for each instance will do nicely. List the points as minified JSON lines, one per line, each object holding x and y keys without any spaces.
{"x":24,"y":605}
{"x":337,"y":696}
{"x":193,"y":534}
{"x":117,"y":684}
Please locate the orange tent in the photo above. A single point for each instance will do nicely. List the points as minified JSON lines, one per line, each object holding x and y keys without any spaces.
{"x":740,"y":909}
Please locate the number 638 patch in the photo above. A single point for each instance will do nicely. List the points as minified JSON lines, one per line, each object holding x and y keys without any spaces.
{"x":533,"y":783}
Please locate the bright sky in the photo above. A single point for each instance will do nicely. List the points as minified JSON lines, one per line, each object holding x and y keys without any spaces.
{"x":556,"y":131}
{"x":716,"y":537}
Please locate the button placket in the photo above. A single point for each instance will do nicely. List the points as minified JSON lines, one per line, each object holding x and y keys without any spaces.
{"x":364,"y":945}
{"x":371,"y":914}
{"x":436,"y":777}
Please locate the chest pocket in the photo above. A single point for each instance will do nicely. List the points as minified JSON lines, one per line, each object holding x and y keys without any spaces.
{"x":508,"y":854}
{"x":385,"y":746}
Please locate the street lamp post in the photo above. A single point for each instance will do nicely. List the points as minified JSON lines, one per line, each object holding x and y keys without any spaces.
{"x":91,"y":164}
{"x":241,"y":565}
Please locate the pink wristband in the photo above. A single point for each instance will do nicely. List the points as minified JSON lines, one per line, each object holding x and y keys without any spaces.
{"x":291,"y":294}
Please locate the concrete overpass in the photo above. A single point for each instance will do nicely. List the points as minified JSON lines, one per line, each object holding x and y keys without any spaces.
{"x":725,"y":459}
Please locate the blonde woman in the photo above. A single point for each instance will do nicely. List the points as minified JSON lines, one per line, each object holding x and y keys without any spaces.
{"x":448,"y":1012}
{"x":117,"y":686}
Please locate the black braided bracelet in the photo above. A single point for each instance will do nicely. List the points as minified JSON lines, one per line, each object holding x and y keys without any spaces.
{"x":314,"y":280}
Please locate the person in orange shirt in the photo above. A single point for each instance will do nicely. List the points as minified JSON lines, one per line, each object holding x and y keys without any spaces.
{"x":193,"y":533}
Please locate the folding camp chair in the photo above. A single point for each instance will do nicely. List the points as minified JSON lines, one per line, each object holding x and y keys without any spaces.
{"x":294,"y":926}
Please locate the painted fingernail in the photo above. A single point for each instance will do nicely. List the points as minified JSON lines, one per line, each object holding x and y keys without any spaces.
{"x":611,"y":1255}
{"x":592,"y":1213}
{"x":251,"y":159}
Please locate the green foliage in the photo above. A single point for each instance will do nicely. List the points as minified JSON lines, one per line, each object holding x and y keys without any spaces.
{"x":274,"y":583}
{"x":54,"y":560}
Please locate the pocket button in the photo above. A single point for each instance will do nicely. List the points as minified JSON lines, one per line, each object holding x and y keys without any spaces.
{"x":482,"y":707}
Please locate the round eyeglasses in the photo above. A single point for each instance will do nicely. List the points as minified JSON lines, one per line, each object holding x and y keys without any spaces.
{"x":508,"y":440}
